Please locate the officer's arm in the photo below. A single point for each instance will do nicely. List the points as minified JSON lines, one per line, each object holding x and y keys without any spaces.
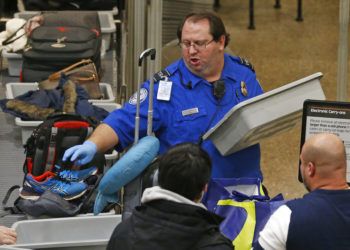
{"x":104,"y":137}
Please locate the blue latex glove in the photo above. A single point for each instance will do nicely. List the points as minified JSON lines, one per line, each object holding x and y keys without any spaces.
{"x":81,"y":154}
{"x":102,"y":200}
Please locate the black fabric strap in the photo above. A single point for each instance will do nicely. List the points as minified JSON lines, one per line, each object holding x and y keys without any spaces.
{"x":10,"y":40}
{"x":9,"y":210}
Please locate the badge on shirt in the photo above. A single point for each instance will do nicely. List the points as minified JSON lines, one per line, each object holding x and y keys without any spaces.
{"x":190,"y":111}
{"x":143,"y":96}
{"x":164,"y":90}
{"x":244,"y":90}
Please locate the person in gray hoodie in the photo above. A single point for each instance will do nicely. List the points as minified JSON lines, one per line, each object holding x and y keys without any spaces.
{"x":171,"y":215}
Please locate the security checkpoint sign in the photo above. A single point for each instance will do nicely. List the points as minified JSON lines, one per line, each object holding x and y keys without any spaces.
{"x":327,"y":117}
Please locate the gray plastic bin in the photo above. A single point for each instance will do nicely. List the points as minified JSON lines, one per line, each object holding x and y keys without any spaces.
{"x":14,"y":89}
{"x":27,"y":127}
{"x":82,"y":232}
{"x":262,"y":116}
{"x":14,"y":62}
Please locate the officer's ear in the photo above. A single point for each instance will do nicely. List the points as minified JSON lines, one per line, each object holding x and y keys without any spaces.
{"x":221,"y":42}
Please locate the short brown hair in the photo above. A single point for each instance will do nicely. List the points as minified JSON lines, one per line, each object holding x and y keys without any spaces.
{"x":217,"y":27}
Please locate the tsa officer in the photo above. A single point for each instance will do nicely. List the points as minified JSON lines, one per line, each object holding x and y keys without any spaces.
{"x":190,"y":96}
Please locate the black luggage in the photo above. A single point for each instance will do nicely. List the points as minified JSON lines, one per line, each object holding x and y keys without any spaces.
{"x":64,"y":38}
{"x":69,"y":4}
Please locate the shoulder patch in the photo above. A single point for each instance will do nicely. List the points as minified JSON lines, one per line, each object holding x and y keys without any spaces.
{"x":143,"y":96}
{"x":245,"y":62}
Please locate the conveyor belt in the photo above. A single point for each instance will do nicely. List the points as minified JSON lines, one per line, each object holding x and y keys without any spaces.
{"x":11,"y":152}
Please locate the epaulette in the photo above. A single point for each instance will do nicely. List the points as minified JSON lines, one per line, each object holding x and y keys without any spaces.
{"x":245,"y":62}
{"x":161,"y":75}
{"x":165,"y":73}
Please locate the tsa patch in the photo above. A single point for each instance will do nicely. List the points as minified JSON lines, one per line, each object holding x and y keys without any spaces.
{"x":143,"y":96}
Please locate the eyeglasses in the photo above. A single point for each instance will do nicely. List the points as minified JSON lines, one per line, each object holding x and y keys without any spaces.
{"x":197,"y":45}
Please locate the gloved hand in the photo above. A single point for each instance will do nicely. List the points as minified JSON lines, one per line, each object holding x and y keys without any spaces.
{"x":102,"y":200}
{"x":81,"y":154}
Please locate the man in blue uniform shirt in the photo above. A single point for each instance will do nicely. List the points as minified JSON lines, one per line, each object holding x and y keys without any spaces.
{"x":190,"y":96}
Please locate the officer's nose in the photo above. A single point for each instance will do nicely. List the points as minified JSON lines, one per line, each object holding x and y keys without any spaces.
{"x":192,"y":50}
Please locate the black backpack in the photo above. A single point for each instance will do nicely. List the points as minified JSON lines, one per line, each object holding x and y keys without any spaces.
{"x":64,"y":38}
{"x":44,"y":150}
{"x":48,"y":142}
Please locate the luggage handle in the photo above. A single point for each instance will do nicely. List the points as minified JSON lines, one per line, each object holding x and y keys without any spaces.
{"x":146,"y":53}
{"x":57,"y":74}
{"x":133,"y":189}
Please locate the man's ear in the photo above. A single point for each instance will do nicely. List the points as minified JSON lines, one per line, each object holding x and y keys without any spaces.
{"x":222,"y":42}
{"x":311,"y":169}
{"x":205,"y":188}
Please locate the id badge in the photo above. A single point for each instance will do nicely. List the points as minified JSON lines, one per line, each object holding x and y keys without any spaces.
{"x":164,"y":90}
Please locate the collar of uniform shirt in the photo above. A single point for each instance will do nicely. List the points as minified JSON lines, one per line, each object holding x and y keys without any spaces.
{"x":187,"y":75}
{"x":229,"y":69}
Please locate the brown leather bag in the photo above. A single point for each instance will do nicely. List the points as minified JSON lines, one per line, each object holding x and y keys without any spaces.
{"x":83,"y":73}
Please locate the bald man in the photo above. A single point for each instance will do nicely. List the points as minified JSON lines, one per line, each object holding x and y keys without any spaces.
{"x":321,"y":219}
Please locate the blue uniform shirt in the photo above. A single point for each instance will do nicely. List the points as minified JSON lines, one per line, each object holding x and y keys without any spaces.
{"x":191,"y":111}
